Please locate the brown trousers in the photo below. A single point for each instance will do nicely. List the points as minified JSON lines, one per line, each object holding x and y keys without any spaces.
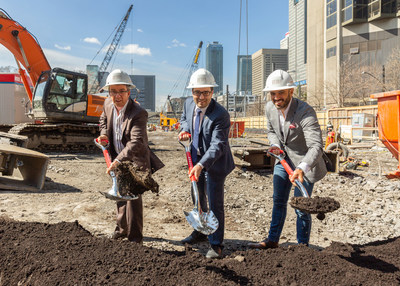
{"x":130,"y":219}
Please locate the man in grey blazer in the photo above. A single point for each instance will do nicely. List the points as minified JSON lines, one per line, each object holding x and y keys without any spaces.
{"x":292,"y":127}
{"x":212,"y":158}
{"x":123,"y":124}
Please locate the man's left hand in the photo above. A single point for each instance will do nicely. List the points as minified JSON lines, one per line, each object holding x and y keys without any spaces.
{"x":113,"y":165}
{"x":297,"y":174}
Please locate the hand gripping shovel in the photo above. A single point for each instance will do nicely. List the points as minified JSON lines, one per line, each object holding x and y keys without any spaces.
{"x":204,"y":222}
{"x":113,"y":193}
{"x":307,"y":204}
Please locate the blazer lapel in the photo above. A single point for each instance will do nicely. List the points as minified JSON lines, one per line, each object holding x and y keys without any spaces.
{"x":289,"y":118}
{"x":280,"y":131}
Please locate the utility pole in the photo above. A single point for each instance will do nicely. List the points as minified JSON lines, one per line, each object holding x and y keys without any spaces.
{"x":227,"y":98}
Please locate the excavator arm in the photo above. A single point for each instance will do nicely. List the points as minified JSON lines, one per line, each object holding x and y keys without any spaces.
{"x":25,"y":48}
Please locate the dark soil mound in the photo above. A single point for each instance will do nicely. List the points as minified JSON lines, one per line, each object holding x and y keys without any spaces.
{"x":67,"y":254}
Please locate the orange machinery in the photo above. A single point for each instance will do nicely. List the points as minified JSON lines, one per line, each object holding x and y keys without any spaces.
{"x":65,"y":114}
{"x":388,"y":118}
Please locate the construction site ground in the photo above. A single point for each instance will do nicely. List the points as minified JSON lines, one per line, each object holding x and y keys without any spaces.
{"x":59,"y":235}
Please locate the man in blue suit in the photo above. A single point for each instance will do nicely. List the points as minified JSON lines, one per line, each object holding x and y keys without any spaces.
{"x":211,"y":153}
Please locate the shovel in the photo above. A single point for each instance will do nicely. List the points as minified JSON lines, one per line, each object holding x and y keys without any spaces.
{"x":316,"y":205}
{"x":204,"y":222}
{"x":113,"y":193}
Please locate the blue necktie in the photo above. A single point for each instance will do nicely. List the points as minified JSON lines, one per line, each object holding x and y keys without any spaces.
{"x":195,"y":138}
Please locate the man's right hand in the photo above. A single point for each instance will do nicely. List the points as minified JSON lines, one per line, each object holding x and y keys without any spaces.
{"x":275,"y":150}
{"x":103,"y":140}
{"x":183,"y":136}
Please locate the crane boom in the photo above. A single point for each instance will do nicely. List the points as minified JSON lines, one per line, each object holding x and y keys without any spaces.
{"x":111,"y":49}
{"x":192,"y":68}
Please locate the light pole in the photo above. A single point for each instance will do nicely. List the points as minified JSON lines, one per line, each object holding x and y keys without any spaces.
{"x":382,"y":83}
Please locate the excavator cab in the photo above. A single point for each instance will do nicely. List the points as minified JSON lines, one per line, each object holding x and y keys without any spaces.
{"x":61,"y":95}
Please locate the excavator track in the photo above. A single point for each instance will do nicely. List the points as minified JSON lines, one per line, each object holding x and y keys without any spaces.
{"x":53,"y":137}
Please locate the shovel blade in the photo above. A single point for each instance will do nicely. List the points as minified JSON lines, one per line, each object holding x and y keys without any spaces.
{"x":117,"y":197}
{"x":206,"y":222}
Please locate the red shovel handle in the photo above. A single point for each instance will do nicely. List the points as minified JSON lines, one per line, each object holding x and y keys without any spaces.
{"x":105,"y":151}
{"x":287,"y":167}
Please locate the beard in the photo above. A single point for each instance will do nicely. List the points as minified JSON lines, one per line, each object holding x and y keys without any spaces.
{"x":282,"y":103}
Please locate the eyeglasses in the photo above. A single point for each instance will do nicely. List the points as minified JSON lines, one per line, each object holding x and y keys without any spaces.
{"x":114,"y":92}
{"x":198,"y":92}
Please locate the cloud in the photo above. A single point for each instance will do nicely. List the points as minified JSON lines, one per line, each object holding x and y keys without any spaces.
{"x":66,"y":48}
{"x":140,"y":30}
{"x":135,"y":49}
{"x":92,"y":40}
{"x":176,"y":43}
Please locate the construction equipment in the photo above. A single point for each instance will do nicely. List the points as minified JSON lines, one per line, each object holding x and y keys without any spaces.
{"x":334,"y":142}
{"x":111,"y":50}
{"x":315,"y":205}
{"x":31,"y":165}
{"x":66,"y":116}
{"x":169,"y":122}
{"x":204,"y":222}
{"x":388,"y":119}
{"x":113,"y":193}
{"x":192,"y":68}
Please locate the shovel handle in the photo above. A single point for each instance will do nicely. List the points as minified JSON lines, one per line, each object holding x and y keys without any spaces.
{"x":107,"y":156}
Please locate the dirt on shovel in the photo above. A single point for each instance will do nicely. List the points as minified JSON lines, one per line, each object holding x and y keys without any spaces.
{"x":133,"y":180}
{"x":315,"y":205}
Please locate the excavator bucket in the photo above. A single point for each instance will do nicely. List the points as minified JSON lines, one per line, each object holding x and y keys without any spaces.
{"x":31,"y":167}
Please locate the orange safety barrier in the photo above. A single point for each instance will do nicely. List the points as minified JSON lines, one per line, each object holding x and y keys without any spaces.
{"x":388,"y":118}
{"x":237,"y":129}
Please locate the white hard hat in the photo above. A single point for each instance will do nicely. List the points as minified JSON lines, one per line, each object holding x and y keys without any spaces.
{"x":118,"y":77}
{"x":202,"y":78}
{"x":279,"y":80}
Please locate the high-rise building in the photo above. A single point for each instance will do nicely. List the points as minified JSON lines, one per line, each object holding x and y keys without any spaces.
{"x":284,"y":44}
{"x":243,"y":81}
{"x":215,"y":64}
{"x":264,"y":62}
{"x":344,"y":35}
{"x":145,"y":92}
{"x":298,"y":41}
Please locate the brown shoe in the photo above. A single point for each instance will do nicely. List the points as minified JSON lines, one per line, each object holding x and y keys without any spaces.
{"x":117,"y":235}
{"x":265,"y":244}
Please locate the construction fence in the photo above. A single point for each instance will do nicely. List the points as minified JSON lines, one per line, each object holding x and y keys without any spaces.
{"x":353,"y":122}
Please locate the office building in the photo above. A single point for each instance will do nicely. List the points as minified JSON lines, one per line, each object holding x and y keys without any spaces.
{"x":345,"y":38}
{"x":145,"y":92}
{"x":284,"y":43}
{"x":215,"y":64}
{"x":243,"y":80}
{"x":264,"y":62}
{"x":92,"y":72}
{"x":297,"y":57}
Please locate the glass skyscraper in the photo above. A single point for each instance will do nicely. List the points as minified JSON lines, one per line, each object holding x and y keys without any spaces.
{"x":243,"y":81}
{"x":214,"y":64}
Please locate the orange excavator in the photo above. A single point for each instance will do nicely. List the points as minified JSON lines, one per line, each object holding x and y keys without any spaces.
{"x":66,"y":116}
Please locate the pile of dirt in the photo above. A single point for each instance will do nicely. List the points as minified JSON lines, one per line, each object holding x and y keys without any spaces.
{"x":67,"y":254}
{"x":133,"y":180}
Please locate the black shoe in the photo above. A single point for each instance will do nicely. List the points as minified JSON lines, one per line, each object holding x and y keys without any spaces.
{"x":215,"y":252}
{"x":265,"y":244}
{"x":194,"y":237}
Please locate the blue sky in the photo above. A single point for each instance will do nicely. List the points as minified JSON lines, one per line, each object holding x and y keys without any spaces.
{"x":160,"y":39}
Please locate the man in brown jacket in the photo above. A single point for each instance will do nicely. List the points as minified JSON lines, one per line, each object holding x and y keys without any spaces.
{"x":123,"y":124}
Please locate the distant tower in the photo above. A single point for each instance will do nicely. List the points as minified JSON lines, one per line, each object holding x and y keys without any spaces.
{"x":145,"y":91}
{"x":298,"y":40}
{"x":214,"y":64}
{"x":243,"y":80}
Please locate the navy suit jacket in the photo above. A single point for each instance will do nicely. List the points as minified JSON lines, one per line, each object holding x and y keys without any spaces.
{"x":216,"y":155}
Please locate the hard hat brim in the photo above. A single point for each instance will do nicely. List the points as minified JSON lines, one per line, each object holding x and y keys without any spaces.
{"x":279,"y":88}
{"x":117,"y":83}
{"x":201,"y":85}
